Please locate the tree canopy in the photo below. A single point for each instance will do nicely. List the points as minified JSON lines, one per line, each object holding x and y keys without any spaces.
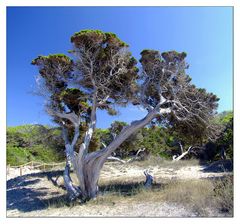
{"x":103,"y":67}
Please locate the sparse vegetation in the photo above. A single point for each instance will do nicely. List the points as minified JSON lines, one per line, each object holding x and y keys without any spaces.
{"x":179,"y":189}
{"x":224,"y":194}
{"x":203,"y":197}
{"x":164,"y":163}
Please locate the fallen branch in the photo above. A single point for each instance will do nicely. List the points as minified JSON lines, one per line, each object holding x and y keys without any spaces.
{"x":177,"y":158}
{"x":129,"y":160}
{"x":116,"y":159}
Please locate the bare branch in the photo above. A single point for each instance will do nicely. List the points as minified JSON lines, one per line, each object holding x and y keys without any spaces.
{"x":177,"y":158}
{"x":113,"y":158}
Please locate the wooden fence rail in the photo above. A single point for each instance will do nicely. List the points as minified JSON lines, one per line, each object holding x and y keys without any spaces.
{"x":34,"y":165}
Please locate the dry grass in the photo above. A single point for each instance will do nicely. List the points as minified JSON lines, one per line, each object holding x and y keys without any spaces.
{"x":194,"y":194}
{"x":163,"y":163}
{"x":178,"y":191}
{"x":224,"y":194}
{"x":201,"y":197}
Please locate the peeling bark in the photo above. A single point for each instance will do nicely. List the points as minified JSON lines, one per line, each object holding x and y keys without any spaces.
{"x":88,"y":174}
{"x":87,"y":166}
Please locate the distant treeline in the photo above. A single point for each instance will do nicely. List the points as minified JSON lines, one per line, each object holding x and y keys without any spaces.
{"x":43,"y":143}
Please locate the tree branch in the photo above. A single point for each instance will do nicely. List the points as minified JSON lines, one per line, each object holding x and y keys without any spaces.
{"x":83,"y":150}
{"x":70,"y":116}
{"x":182,"y":155}
{"x":116,"y":159}
{"x":129,"y":160}
{"x":127,"y":132}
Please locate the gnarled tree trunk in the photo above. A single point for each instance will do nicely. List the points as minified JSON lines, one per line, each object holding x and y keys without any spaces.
{"x":89,"y":165}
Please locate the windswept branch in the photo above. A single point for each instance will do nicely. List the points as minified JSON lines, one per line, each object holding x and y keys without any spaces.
{"x":69,"y":116}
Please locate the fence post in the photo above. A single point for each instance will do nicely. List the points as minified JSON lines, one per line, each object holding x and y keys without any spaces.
{"x":8,"y":168}
{"x":20,"y":170}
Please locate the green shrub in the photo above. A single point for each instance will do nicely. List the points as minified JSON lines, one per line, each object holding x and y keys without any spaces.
{"x":17,"y":155}
{"x":34,"y":143}
{"x":41,"y":153}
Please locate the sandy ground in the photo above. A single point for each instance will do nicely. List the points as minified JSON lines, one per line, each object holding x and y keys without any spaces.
{"x":15,"y":172}
{"x":34,"y":194}
{"x":122,"y":172}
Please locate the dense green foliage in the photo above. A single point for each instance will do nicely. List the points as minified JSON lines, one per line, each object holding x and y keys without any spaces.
{"x":226,"y":137}
{"x":33,"y":143}
{"x":164,"y":141}
{"x":158,"y":142}
{"x":41,"y":143}
{"x":209,"y":144}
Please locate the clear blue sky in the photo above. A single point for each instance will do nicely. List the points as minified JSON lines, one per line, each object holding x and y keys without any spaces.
{"x":205,"y":33}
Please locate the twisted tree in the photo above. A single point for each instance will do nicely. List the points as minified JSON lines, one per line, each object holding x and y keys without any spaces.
{"x":103,"y":75}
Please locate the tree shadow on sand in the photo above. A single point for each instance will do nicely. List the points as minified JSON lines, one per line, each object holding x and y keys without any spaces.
{"x":126,"y":189}
{"x":27,"y":193}
{"x":25,"y":197}
{"x":219,"y":166}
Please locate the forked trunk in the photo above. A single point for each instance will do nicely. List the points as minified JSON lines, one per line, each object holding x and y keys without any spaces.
{"x":88,"y":173}
{"x":87,"y":166}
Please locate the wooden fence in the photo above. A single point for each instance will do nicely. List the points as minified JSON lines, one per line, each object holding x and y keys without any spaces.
{"x":35,"y":165}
